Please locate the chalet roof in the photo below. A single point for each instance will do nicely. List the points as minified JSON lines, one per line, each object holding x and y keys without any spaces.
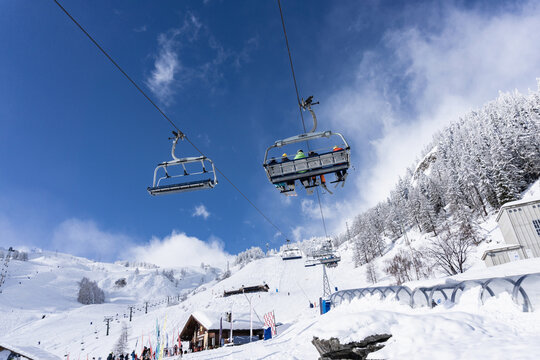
{"x":29,"y":352}
{"x":247,"y":289}
{"x":521,"y":202}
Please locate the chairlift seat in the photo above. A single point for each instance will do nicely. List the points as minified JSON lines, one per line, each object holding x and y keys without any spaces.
{"x":182,"y":187}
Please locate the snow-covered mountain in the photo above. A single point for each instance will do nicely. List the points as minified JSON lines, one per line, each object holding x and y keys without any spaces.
{"x":46,"y":284}
{"x":42,"y":292}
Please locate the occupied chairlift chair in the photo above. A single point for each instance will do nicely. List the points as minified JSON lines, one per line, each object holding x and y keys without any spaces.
{"x":184,"y":186}
{"x":311,"y":166}
{"x":324,"y":256}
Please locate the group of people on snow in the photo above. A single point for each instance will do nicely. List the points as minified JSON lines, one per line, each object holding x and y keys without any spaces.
{"x":148,"y":353}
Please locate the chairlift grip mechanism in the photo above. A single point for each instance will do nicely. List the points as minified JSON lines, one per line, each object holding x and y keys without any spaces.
{"x":306,"y":104}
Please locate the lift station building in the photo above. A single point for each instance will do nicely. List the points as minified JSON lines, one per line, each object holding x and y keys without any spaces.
{"x":519,"y":222}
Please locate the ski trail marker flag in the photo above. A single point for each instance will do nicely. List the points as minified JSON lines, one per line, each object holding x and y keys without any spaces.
{"x":270,"y":321}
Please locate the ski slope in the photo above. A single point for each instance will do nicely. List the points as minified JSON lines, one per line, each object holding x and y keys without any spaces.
{"x":70,"y":328}
{"x":47,"y":285}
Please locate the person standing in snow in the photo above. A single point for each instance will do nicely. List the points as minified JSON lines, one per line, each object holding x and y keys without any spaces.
{"x":110,"y":357}
{"x":133,"y":356}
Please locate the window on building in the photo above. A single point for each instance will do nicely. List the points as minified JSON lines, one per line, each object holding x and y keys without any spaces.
{"x":536,"y":224}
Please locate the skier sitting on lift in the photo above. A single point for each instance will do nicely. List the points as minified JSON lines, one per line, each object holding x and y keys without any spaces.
{"x":305,"y":181}
{"x":284,"y":186}
{"x":314,"y":178}
{"x":340,"y":174}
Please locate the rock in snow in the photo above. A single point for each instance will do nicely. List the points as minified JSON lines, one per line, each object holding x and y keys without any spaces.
{"x":332,"y":349}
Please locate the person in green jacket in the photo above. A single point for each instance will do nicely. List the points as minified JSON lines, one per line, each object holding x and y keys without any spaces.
{"x":305,"y":181}
{"x":300,"y":155}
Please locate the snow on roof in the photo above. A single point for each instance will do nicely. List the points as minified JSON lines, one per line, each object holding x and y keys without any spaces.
{"x":30,"y":352}
{"x":499,"y":248}
{"x":210,"y":320}
{"x":521,"y":202}
{"x":531,"y":195}
{"x":205,"y":318}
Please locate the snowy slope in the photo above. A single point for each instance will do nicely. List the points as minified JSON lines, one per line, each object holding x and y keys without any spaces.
{"x":48,"y":286}
{"x":42,"y":293}
{"x":82,"y":327}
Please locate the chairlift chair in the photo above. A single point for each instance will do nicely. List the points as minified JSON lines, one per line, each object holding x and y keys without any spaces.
{"x":291,"y":253}
{"x":158,"y":188}
{"x":324,"y":256}
{"x":280,"y":173}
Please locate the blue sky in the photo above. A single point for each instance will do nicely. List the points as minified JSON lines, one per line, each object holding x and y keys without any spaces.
{"x":78,"y":144}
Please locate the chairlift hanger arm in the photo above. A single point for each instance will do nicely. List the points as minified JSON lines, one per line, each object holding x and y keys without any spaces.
{"x":306,"y":105}
{"x":177,"y":135}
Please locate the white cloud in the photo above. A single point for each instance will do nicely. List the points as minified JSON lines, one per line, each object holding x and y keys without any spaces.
{"x":420,"y":81}
{"x":298,"y":233}
{"x":85,"y":238}
{"x":179,"y":250}
{"x":166,"y":66}
{"x":200,"y":210}
{"x":195,"y":40}
{"x":142,"y":28}
{"x":8,"y":235}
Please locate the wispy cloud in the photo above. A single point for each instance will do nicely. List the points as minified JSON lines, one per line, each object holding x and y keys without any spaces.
{"x":142,"y":28}
{"x":200,"y":210}
{"x":178,"y":250}
{"x":192,"y":40}
{"x":298,"y":233}
{"x":85,"y":238}
{"x":166,"y":66}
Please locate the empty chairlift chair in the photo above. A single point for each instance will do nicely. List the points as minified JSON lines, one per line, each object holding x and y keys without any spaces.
{"x":334,"y":161}
{"x":184,"y":181}
{"x":291,"y":252}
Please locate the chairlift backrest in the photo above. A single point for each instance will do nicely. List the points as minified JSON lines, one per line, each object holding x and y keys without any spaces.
{"x":313,"y":165}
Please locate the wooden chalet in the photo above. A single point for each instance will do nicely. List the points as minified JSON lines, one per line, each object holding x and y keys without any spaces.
{"x":247,"y":289}
{"x":202,"y":329}
{"x":8,"y":351}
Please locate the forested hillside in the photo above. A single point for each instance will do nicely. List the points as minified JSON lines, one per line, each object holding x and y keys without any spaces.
{"x":472,"y":167}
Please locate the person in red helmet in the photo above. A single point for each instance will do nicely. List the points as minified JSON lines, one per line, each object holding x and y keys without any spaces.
{"x":340,"y":174}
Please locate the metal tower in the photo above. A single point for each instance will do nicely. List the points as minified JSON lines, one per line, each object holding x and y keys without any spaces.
{"x":326,"y":284}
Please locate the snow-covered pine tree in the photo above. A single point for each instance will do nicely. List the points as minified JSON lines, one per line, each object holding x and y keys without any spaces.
{"x":120,"y":347}
{"x":90,"y":293}
{"x":484,"y":159}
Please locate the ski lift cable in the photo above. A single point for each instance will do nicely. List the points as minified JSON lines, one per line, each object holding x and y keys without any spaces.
{"x":163,"y":114}
{"x":299,"y":104}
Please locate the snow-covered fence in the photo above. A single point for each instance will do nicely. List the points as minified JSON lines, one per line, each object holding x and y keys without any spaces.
{"x":525,"y":291}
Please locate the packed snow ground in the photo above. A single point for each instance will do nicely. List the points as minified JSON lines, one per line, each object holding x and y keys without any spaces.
{"x":466,"y":330}
{"x":47,"y":285}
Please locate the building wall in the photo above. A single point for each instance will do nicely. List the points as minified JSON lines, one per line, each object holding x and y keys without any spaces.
{"x":504,"y":256}
{"x":516,"y":224}
{"x":506,"y":229}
